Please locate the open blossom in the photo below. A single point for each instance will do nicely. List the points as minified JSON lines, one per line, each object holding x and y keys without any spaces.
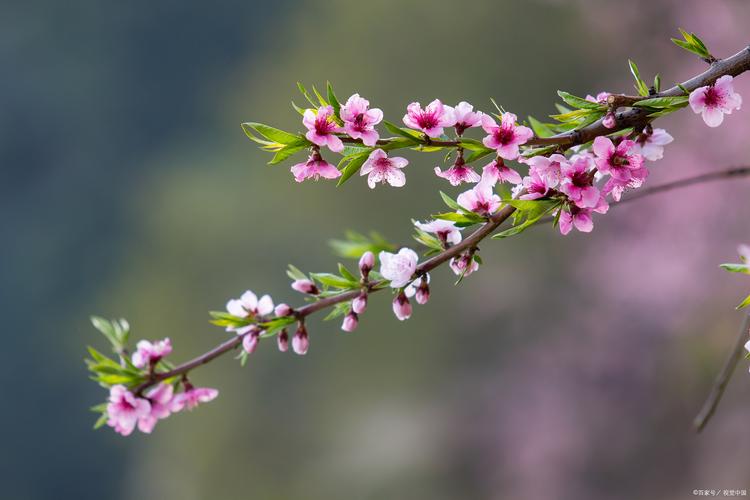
{"x":380,"y":168}
{"x":248,"y":306}
{"x":192,"y":397}
{"x":615,"y":187}
{"x":506,"y":137}
{"x":160,"y":398}
{"x":463,"y":264}
{"x":314,"y":168}
{"x":398,"y":268}
{"x":124,"y":409}
{"x":466,"y":117}
{"x":497,"y":170}
{"x":714,"y":101}
{"x":619,"y":161}
{"x":580,"y":218}
{"x":402,"y":307}
{"x":431,"y":120}
{"x":536,"y":186}
{"x":480,"y":199}
{"x":360,"y":121}
{"x":577,"y":184}
{"x":458,"y":173}
{"x":548,"y":167}
{"x":445,"y":230}
{"x":322,"y":128}
{"x":651,"y":146}
{"x":148,"y":353}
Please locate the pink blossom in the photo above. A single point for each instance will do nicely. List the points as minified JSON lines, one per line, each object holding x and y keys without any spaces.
{"x":497,"y":170}
{"x":548,"y":167}
{"x":282,"y":341}
{"x":160,"y":398}
{"x":366,"y":263}
{"x":609,"y":121}
{"x":124,"y":409}
{"x":248,"y":305}
{"x":458,"y":173}
{"x":380,"y":168}
{"x":314,"y":168}
{"x":463,"y":264}
{"x":251,"y":339}
{"x":506,"y":137}
{"x":282,"y":310}
{"x":619,"y":161}
{"x":419,"y":291}
{"x":192,"y":397}
{"x":301,"y":340}
{"x":577,"y":184}
{"x":445,"y":230}
{"x":601,"y":97}
{"x":466,"y":117}
{"x":651,"y":146}
{"x":616,"y":187}
{"x":322,"y":127}
{"x":398,"y":268}
{"x":305,"y":286}
{"x":359,"y":303}
{"x":360,"y":121}
{"x":536,"y":186}
{"x":580,"y":218}
{"x":430,"y":120}
{"x":480,"y":199}
{"x":402,"y":307}
{"x":148,"y":353}
{"x":714,"y":101}
{"x":350,"y":322}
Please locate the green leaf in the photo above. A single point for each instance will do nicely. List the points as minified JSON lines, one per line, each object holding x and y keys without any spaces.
{"x":356,"y":244}
{"x":350,"y":165}
{"x":286,"y":152}
{"x":103,"y":418}
{"x":640,"y":85}
{"x":478,"y":155}
{"x":451,"y":203}
{"x":532,"y":205}
{"x":472,"y":144}
{"x":272,"y":134}
{"x":461,"y":219}
{"x":663,"y":102}
{"x":332,"y":98}
{"x":404,"y":132}
{"x":428,"y":240}
{"x":744,"y":303}
{"x":304,"y":92}
{"x":579,"y":102}
{"x":529,"y":153}
{"x":295,"y":274}
{"x":541,"y":129}
{"x":736,"y":268}
{"x":657,"y":83}
{"x":334,"y":281}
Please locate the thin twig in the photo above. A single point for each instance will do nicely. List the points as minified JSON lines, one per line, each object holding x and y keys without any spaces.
{"x":722,"y":379}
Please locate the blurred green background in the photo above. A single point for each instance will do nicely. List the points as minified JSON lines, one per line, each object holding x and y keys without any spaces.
{"x":566,"y":368}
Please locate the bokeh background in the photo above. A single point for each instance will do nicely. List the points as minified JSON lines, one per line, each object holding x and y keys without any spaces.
{"x":568,"y":368}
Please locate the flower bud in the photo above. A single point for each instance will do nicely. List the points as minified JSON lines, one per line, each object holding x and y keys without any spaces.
{"x":282,"y":310}
{"x":609,"y":120}
{"x":366,"y":263}
{"x":305,"y":286}
{"x":301,"y":341}
{"x":423,"y":292}
{"x":250,"y":341}
{"x":359,"y":304}
{"x":401,"y":306}
{"x":350,"y":322}
{"x":283,"y":341}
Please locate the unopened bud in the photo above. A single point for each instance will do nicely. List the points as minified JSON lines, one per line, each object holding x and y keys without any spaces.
{"x":282,"y":310}
{"x":250,"y":341}
{"x":283,"y":341}
{"x":366,"y":263}
{"x":301,"y":341}
{"x":359,"y":304}
{"x":423,"y":292}
{"x":401,"y":306}
{"x":609,"y":120}
{"x":350,"y":322}
{"x":305,"y":286}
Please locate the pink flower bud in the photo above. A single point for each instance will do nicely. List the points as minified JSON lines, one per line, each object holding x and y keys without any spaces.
{"x":250,"y":341}
{"x":305,"y":286}
{"x":350,"y":322}
{"x":366,"y":263}
{"x":301,"y":341}
{"x":282,"y":310}
{"x":283,"y":341}
{"x":423,"y":292}
{"x":609,"y":120}
{"x":359,"y":304}
{"x":401,"y":306}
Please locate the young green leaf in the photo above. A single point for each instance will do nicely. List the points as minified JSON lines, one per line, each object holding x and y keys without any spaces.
{"x":579,"y":102}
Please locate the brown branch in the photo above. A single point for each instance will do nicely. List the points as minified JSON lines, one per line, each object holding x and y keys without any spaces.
{"x":733,"y":65}
{"x":722,"y":379}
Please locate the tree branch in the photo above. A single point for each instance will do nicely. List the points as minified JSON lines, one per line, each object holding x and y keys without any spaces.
{"x":722,"y":379}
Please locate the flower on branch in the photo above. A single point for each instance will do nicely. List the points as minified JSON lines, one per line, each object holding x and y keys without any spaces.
{"x":314,"y":168}
{"x":480,"y":199}
{"x":715,"y":101}
{"x":431,"y":120}
{"x":360,"y":121}
{"x":466,"y":117}
{"x":445,"y":230}
{"x":398,"y":268}
{"x":651,"y":146}
{"x":497,"y":171}
{"x":322,"y":128}
{"x":192,"y":397}
{"x":506,"y":137}
{"x":149,"y":353}
{"x":380,"y":168}
{"x":124,"y":409}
